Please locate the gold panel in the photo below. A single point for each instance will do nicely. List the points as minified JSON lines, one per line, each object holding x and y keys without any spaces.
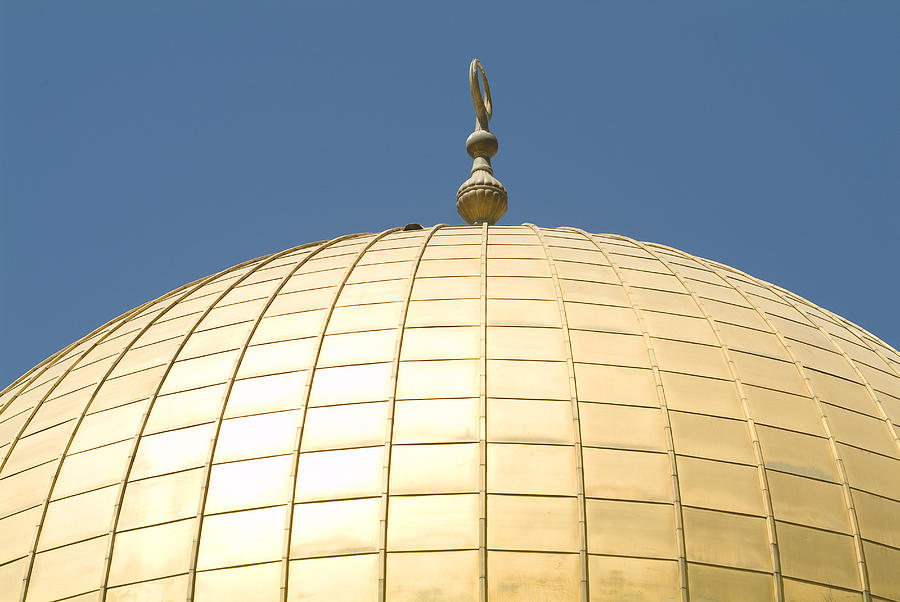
{"x":259,"y":583}
{"x":52,"y":413}
{"x":593,"y":292}
{"x":524,"y":522}
{"x":623,"y":427}
{"x":241,"y":537}
{"x":412,"y":577}
{"x":266,"y":394}
{"x":198,"y":372}
{"x":67,"y":571}
{"x":331,"y":528}
{"x":431,"y":522}
{"x":186,"y":408}
{"x":353,"y":425}
{"x":690,"y":358}
{"x":734,"y":314}
{"x":443,"y":378}
{"x":655,"y":280}
{"x":572,"y":270}
{"x":435,"y":420}
{"x":784,"y":410}
{"x":861,"y":431}
{"x":682,"y":328}
{"x":711,"y":437}
{"x":257,"y":436}
{"x":702,"y":395}
{"x":753,"y":341}
{"x":720,"y":485}
{"x":369,"y":382}
{"x":609,"y":348}
{"x":560,"y":253}
{"x":446,"y":468}
{"x":798,"y":591}
{"x":769,"y":373}
{"x":357,"y":348}
{"x":111,"y":425}
{"x":462,"y":312}
{"x":809,"y":502}
{"x":450,"y":251}
{"x":517,"y":267}
{"x":337,"y":578}
{"x":171,"y":451}
{"x":520,"y":343}
{"x":38,"y":448}
{"x":879,"y":518}
{"x":798,"y":454}
{"x":729,"y":585}
{"x":675,"y":303}
{"x":839,"y":391}
{"x":306,"y":292}
{"x":200,"y":342}
{"x":18,"y":535}
{"x":522,"y":576}
{"x":528,"y":379}
{"x":364,"y":317}
{"x":131,"y":387}
{"x":871,"y":472}
{"x":602,"y":317}
{"x":447,"y":287}
{"x":626,"y":475}
{"x":633,"y":579}
{"x":616,"y":385}
{"x":151,"y":552}
{"x":823,"y":360}
{"x":814,"y":555}
{"x":273,"y":358}
{"x":438,"y":343}
{"x":728,"y":539}
{"x":172,"y":589}
{"x":373,"y":292}
{"x":249,"y":484}
{"x":160,"y":499}
{"x":462,"y":266}
{"x":525,"y":421}
{"x":379,"y":271}
{"x":289,"y":326}
{"x":882,"y":564}
{"x":507,"y":287}
{"x":339,"y":474}
{"x":11,"y":576}
{"x":631,"y":529}
{"x":523,"y":312}
{"x":538,"y":469}
{"x":80,"y":472}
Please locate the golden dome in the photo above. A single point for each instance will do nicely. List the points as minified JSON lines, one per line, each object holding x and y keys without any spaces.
{"x":509,"y":412}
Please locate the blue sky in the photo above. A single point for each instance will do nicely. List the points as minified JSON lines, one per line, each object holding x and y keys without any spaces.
{"x":144,"y":145}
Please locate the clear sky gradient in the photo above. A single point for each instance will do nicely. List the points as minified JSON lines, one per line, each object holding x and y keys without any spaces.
{"x":147,"y":144}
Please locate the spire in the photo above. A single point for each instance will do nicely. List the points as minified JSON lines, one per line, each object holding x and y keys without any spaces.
{"x":481,"y":198}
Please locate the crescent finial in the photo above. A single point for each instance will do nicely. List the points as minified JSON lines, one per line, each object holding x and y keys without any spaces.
{"x":481,"y":198}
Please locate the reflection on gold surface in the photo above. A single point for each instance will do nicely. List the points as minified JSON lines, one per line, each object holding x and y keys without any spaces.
{"x":314,"y":421}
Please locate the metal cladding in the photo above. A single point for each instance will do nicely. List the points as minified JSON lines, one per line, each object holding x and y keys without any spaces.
{"x":504,"y":413}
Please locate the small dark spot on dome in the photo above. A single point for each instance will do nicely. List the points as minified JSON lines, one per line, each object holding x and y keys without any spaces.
{"x":413,"y":226}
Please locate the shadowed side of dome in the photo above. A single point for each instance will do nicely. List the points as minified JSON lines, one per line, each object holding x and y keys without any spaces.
{"x":490,"y":412}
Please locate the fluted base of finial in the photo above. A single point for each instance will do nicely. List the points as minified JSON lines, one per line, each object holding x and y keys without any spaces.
{"x":481,"y":199}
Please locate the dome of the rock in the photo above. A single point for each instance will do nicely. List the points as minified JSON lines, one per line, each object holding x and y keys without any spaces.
{"x":458,"y":413}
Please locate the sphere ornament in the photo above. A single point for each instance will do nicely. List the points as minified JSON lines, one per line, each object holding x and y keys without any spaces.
{"x":458,"y":413}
